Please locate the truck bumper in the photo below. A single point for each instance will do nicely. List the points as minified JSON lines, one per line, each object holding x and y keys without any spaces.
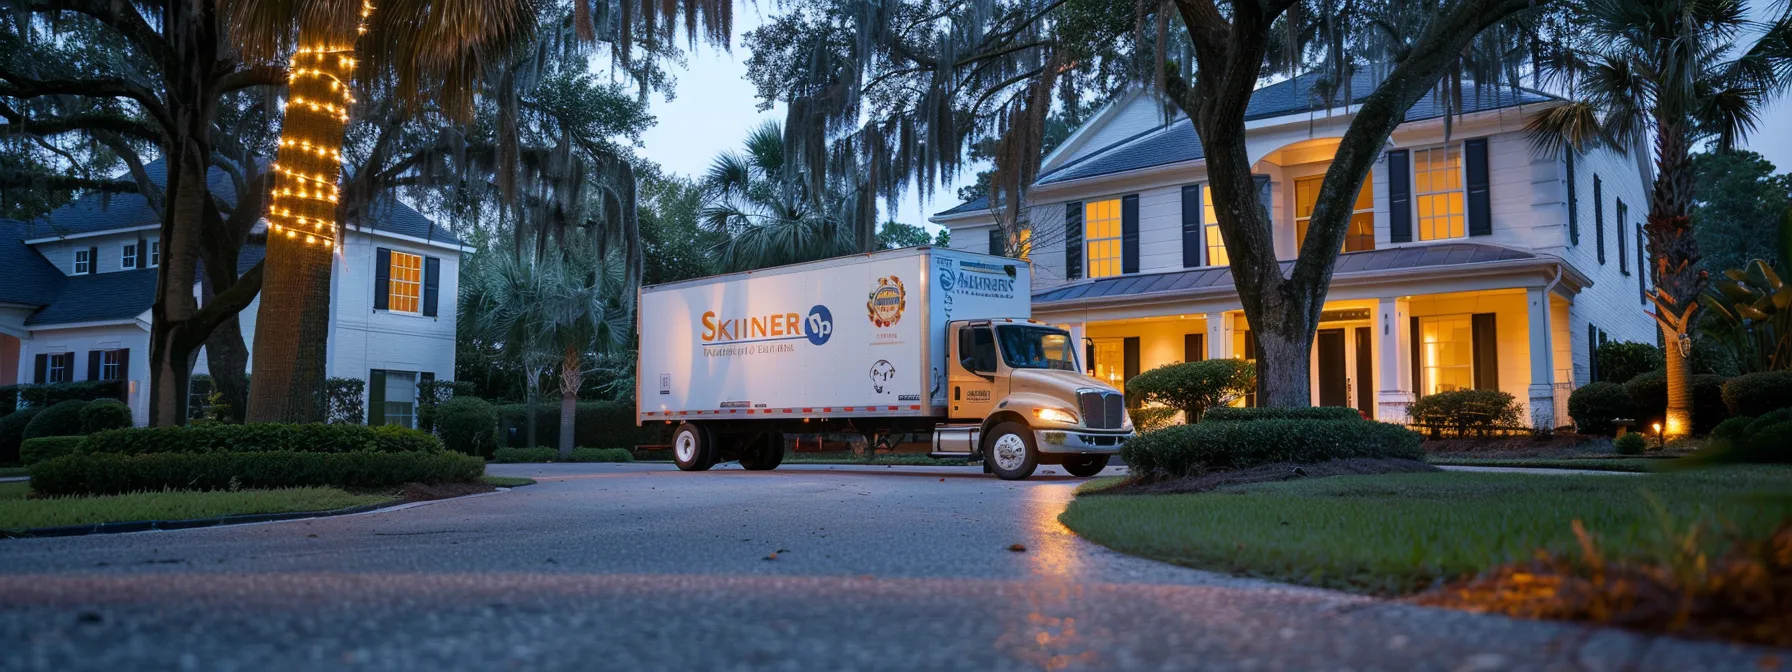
{"x":1072,"y":441}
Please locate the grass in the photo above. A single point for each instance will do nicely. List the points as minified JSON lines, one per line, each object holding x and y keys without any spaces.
{"x":1630,"y":464}
{"x":9,"y":472}
{"x":18,"y":512}
{"x":1402,"y":533}
{"x":847,"y":457}
{"x":506,"y":481}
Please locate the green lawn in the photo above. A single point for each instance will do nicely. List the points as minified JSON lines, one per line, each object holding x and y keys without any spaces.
{"x":1400,"y":533}
{"x":506,"y":481}
{"x":17,"y":512}
{"x":1631,"y":464}
{"x":8,"y":472}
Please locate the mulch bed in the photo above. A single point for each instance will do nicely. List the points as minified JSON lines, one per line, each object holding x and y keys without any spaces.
{"x":418,"y":492}
{"x":1281,"y":471}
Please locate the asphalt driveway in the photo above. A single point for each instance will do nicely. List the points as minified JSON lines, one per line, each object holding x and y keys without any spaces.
{"x":807,"y":567}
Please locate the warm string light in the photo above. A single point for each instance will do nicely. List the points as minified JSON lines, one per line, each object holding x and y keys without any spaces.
{"x":332,"y":62}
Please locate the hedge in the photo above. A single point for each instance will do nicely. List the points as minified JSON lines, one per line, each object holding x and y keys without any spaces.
{"x":1234,"y":414}
{"x":1621,"y":361}
{"x":85,"y":390}
{"x":1466,"y":412}
{"x":87,"y":474}
{"x":307,"y":438}
{"x":1758,"y":393}
{"x":1596,"y":407}
{"x":62,"y":419}
{"x":105,"y":414}
{"x":43,"y":448}
{"x":511,"y":455}
{"x":595,"y":423}
{"x":1208,"y":446}
{"x":1194,"y":387}
{"x":467,"y":425}
{"x":9,"y":398}
{"x":1649,"y":400}
{"x":1750,"y":439}
{"x":12,"y":433}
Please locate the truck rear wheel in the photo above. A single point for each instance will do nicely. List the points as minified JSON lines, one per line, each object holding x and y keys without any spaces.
{"x":1084,"y":466}
{"x":693,"y":447}
{"x":764,"y":453}
{"x":1010,"y":452}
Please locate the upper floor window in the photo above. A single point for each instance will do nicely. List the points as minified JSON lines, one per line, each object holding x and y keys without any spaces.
{"x":83,"y":262}
{"x":407,"y":282}
{"x":1437,"y":176}
{"x":1216,"y":245}
{"x":155,"y":253}
{"x":1101,"y":230}
{"x":1361,"y":235}
{"x":128,"y":258}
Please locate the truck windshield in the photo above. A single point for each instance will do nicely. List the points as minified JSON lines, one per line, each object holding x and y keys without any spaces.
{"x":1025,"y":347}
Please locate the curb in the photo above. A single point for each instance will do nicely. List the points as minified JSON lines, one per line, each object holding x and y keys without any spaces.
{"x":188,"y":524}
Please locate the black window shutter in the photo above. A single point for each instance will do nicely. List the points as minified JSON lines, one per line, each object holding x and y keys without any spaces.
{"x":1592,"y":354}
{"x":1623,"y":250}
{"x":1194,"y":347}
{"x":382,"y":279}
{"x":124,"y":364}
{"x":1192,"y":238}
{"x":1486,"y":344}
{"x":43,"y":364}
{"x":1073,"y":241}
{"x":1599,"y":216}
{"x":1416,"y":346}
{"x":376,"y":397}
{"x":1573,"y":203}
{"x":142,"y":254}
{"x":1480,"y":204}
{"x":1089,"y":357}
{"x":1130,"y":365}
{"x":432,"y":284}
{"x":998,"y":243}
{"x":93,"y":260}
{"x":1642,"y":268}
{"x":1129,"y":234}
{"x":1399,"y":197}
{"x":93,"y":364}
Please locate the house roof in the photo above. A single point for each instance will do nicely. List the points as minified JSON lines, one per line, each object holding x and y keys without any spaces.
{"x":31,"y":279}
{"x":121,"y":295}
{"x":1370,"y":262}
{"x":1177,"y":142}
{"x":98,"y":213}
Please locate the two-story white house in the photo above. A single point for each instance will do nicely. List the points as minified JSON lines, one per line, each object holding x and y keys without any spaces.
{"x":1474,"y":261}
{"x":76,"y":287}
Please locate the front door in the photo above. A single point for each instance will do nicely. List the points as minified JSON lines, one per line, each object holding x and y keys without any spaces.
{"x":974,"y":367}
{"x":1365,"y":372}
{"x":1334,"y":384}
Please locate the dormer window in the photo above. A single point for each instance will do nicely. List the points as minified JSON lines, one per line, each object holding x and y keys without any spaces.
{"x":155,"y":253}
{"x":83,"y":262}
{"x":128,"y":258}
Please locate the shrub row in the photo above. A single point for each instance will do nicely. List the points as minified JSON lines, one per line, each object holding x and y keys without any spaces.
{"x":1595,"y":407}
{"x":60,"y":419}
{"x":1192,"y":449}
{"x":88,"y":474}
{"x":595,"y":423}
{"x":307,"y":438}
{"x":1743,"y":438}
{"x":1467,"y":412}
{"x":1757,"y":394}
{"x":12,"y":433}
{"x":468,"y":425}
{"x":13,"y":396}
{"x":1233,"y":414}
{"x":553,"y":455}
{"x":45,"y":448}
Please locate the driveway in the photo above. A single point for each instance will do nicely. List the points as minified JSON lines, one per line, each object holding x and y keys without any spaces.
{"x":808,"y":567}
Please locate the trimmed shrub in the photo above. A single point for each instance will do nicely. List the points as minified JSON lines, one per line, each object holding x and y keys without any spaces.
{"x":1147,"y":418}
{"x":1630,"y":444}
{"x":345,"y":401}
{"x":63,"y":419}
{"x":42,"y":448}
{"x":12,"y":433}
{"x":1649,"y":400}
{"x":105,"y":474}
{"x":1192,"y":449}
{"x":1194,"y":387}
{"x":1620,"y":361}
{"x":85,"y":390}
{"x":1758,"y":393}
{"x":1764,"y":439}
{"x":1732,"y":428}
{"x":262,"y":437}
{"x":104,"y":414}
{"x":433,"y":393}
{"x":510,"y":455}
{"x":1596,"y":407}
{"x":9,"y":399}
{"x":1466,"y":412}
{"x":595,"y":423}
{"x":1232,"y":414}
{"x":1715,"y":358}
{"x":468,"y":425}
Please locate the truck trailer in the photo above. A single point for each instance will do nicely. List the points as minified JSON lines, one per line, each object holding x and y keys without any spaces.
{"x":923,"y":341}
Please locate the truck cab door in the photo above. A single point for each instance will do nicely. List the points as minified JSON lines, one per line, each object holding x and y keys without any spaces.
{"x":976,"y":373}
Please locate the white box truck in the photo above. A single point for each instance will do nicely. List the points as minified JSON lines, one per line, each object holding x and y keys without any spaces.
{"x":919,"y":341}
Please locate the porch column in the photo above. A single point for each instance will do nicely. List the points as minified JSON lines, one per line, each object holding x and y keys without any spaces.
{"x":1077,"y":333}
{"x":1394,"y":333}
{"x":1543,"y":389}
{"x":1219,"y":336}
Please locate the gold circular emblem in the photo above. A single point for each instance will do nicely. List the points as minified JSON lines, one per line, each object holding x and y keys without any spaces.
{"x":887,"y":302}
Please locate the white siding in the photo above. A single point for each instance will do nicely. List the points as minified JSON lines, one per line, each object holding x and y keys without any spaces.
{"x":362,"y":339}
{"x":1614,"y":302}
{"x":80,"y":341}
{"x":1135,"y":114}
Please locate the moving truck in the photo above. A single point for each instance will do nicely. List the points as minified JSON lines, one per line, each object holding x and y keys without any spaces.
{"x":919,"y":341}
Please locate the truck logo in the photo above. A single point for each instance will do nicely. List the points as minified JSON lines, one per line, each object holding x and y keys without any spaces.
{"x":881,"y":373}
{"x":820,"y":325}
{"x":887,"y":302}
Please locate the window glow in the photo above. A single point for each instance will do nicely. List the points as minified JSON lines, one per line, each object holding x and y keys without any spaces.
{"x":1216,"y":245}
{"x":1361,"y":235}
{"x":406,"y":282}
{"x":1437,"y":175}
{"x":1101,"y":231}
{"x":1449,"y":353}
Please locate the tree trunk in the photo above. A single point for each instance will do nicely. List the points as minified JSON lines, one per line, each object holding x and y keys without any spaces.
{"x":292,"y":332}
{"x":226,"y":356}
{"x":571,"y":375}
{"x":531,"y":394}
{"x":1678,"y":281}
{"x":171,"y":348}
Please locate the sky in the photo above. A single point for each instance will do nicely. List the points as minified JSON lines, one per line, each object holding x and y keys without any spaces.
{"x":715,"y":107}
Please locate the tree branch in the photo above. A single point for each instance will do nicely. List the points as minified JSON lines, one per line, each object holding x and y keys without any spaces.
{"x":260,"y":75}
{"x":113,"y":14}
{"x":19,"y":86}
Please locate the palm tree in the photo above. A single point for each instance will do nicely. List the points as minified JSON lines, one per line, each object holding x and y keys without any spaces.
{"x":1672,"y":68}
{"x":770,"y":218}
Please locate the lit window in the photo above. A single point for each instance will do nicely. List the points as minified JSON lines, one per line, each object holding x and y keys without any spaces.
{"x":1216,"y":245}
{"x":407,"y":282}
{"x":401,"y":396}
{"x":1025,"y":248}
{"x":128,"y":258}
{"x":109,"y":361}
{"x":1110,"y":356}
{"x":1449,"y":349}
{"x":1101,"y":228}
{"x":1438,"y":177}
{"x":155,"y":253}
{"x":1361,"y":235}
{"x":83,"y":262}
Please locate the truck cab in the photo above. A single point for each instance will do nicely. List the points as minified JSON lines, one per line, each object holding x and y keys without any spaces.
{"x":1017,"y":397}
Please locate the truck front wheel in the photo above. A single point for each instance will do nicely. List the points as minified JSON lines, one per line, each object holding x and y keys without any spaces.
{"x":693,"y":448}
{"x":1010,"y":452}
{"x":1084,"y":466}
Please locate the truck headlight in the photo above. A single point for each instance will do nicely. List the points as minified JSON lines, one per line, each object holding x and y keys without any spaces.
{"x":1126,"y":421}
{"x":1056,"y":415}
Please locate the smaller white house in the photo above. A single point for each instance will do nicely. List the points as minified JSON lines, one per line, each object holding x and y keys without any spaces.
{"x":76,"y":287}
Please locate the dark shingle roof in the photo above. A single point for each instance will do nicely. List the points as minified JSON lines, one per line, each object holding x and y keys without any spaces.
{"x":1176,"y":141}
{"x":1371,"y":262}
{"x":114,"y":296}
{"x":31,"y":279}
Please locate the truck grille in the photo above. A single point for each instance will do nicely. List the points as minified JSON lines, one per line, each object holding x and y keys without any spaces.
{"x":1102,"y":410}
